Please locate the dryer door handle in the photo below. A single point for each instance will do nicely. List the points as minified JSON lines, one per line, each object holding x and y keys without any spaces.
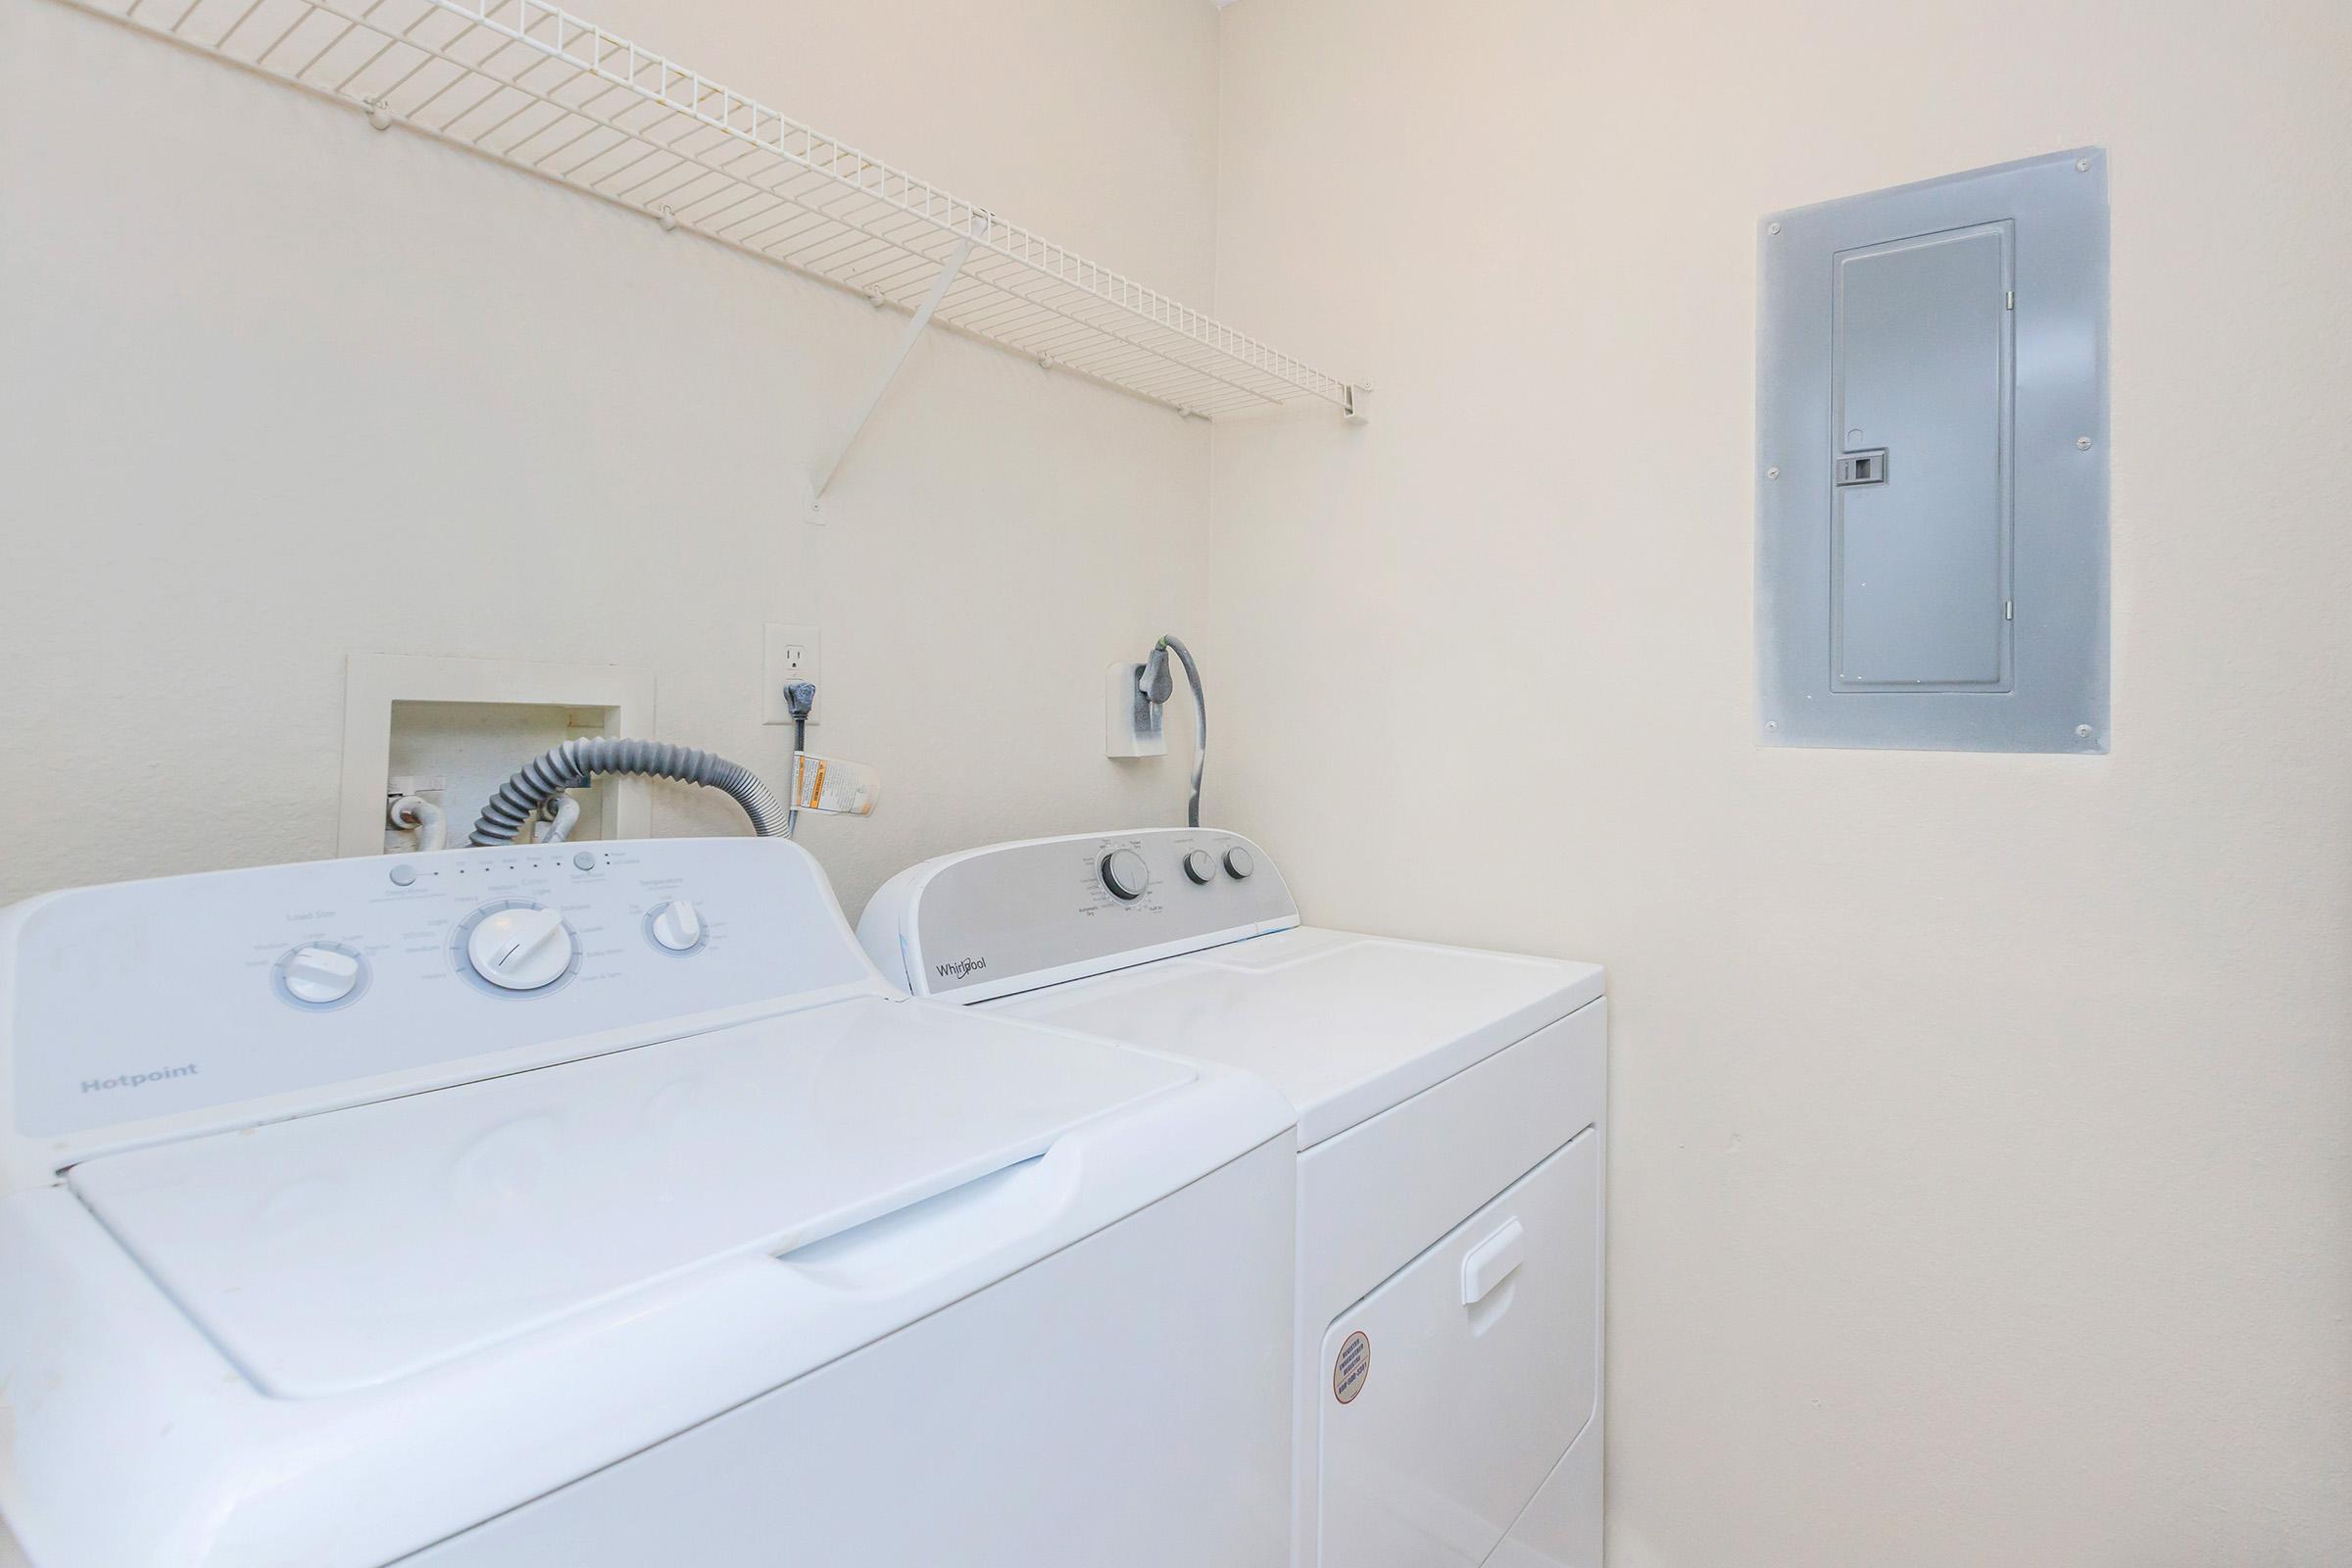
{"x":1492,"y":1261}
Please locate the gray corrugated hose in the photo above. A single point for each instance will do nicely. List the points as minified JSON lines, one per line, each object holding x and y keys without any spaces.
{"x":570,"y":765}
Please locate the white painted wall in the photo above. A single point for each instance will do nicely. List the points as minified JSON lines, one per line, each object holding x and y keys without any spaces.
{"x":1981,"y":1190}
{"x":278,"y":387}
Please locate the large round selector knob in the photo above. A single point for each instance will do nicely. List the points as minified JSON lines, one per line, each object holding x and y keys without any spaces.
{"x":319,"y":975}
{"x":1125,"y":875}
{"x":521,"y":949}
{"x":677,"y":926}
{"x":1200,"y":866}
{"x":1239,"y":862}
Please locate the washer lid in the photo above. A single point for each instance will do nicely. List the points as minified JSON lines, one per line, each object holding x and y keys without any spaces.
{"x":1346,"y":1026}
{"x":354,"y":1247}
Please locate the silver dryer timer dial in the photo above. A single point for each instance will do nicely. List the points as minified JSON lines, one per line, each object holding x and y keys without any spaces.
{"x":1125,"y":875}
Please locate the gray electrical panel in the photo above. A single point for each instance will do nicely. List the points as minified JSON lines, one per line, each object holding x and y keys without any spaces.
{"x":1932,"y":465}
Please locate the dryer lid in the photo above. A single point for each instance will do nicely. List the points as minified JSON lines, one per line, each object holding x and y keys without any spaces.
{"x":354,"y":1247}
{"x":1346,"y":1026}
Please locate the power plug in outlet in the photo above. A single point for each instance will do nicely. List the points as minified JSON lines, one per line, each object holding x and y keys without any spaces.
{"x":1138,"y":728}
{"x":791,"y":655}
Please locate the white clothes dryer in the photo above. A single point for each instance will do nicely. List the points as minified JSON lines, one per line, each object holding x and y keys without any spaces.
{"x":1450,"y":1164}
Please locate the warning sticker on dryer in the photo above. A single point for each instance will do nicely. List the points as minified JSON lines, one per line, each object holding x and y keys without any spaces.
{"x":1352,"y":1367}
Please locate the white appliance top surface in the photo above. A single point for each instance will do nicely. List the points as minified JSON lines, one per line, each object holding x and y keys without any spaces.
{"x":141,"y":1012}
{"x":1346,"y":1026}
{"x":352,"y":1247}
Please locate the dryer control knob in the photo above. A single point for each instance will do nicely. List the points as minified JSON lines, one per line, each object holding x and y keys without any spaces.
{"x":678,"y":926}
{"x":320,"y":975}
{"x":1125,"y":875}
{"x":1239,"y":862}
{"x":522,"y":948}
{"x":1200,"y":866}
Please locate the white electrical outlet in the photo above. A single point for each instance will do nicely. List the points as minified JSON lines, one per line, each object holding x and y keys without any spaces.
{"x":1138,"y":728}
{"x":792,"y":654}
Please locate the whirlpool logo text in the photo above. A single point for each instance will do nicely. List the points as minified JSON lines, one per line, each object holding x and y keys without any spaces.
{"x":960,"y":968}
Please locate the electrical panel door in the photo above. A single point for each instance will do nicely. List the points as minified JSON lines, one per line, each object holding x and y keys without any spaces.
{"x":1930,"y":550}
{"x":1920,"y":499}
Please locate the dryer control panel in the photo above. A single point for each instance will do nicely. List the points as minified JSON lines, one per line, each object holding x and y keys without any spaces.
{"x":1012,"y":917}
{"x":283,"y":989}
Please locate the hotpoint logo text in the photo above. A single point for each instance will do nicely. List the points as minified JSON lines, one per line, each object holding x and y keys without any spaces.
{"x":133,"y":1080}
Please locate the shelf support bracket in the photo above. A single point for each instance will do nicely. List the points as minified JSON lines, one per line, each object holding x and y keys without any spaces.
{"x":890,"y":371}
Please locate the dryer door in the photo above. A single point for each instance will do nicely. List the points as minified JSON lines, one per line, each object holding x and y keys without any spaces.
{"x":1456,"y":1386}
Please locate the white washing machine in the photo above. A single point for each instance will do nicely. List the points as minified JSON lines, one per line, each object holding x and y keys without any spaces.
{"x":1450,"y":1162}
{"x":599,"y":1204}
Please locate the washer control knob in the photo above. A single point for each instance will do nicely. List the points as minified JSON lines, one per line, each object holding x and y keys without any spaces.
{"x":522,"y":948}
{"x":1200,"y":865}
{"x":321,"y":977}
{"x":1239,"y":862}
{"x":678,"y":926}
{"x":1125,"y":875}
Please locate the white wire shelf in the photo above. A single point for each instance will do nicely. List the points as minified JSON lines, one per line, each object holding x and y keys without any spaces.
{"x":541,"y":90}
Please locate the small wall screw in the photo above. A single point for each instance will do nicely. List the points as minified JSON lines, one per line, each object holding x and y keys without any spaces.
{"x":1774,"y":229}
{"x":1772,"y":723}
{"x":2082,"y":443}
{"x":2083,"y":166}
{"x":1772,"y":474}
{"x":2082,"y":732}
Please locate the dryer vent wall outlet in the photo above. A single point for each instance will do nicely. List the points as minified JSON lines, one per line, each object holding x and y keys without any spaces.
{"x":1137,"y":728}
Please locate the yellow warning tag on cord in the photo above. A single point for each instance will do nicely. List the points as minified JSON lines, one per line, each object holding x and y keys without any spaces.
{"x":829,"y":784}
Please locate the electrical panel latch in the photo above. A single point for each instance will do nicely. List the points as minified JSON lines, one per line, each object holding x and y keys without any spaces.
{"x":1863,"y":468}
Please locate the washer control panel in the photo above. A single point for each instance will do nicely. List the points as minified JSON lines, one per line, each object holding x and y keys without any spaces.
{"x":1012,"y":917}
{"x":145,"y":999}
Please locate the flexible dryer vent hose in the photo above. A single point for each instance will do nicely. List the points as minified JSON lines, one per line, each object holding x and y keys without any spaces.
{"x":570,"y":765}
